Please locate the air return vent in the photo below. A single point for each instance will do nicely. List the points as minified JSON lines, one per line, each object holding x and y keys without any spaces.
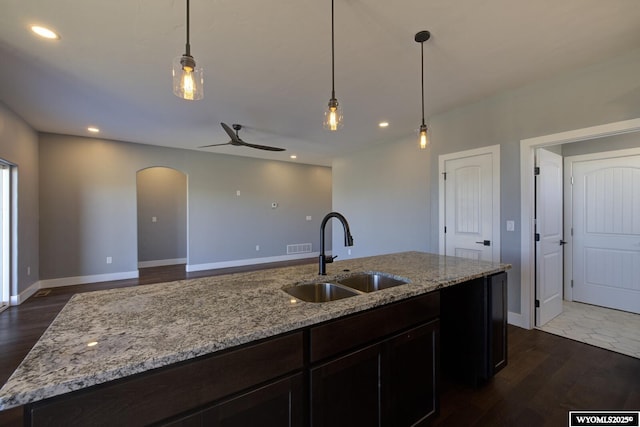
{"x":300,"y":248}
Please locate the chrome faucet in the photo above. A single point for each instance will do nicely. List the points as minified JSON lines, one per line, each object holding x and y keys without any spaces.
{"x":348,"y":239}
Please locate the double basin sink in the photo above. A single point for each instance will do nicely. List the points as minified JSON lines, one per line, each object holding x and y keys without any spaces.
{"x":356,"y":284}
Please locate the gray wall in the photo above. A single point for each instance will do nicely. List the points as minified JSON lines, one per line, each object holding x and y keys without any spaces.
{"x":88,"y":204}
{"x":19,"y":145}
{"x":161,"y":195}
{"x":384,"y":195}
{"x":610,"y":143}
{"x":596,"y":94}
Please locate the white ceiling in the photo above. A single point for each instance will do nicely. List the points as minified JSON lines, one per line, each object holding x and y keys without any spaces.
{"x":267,"y":64}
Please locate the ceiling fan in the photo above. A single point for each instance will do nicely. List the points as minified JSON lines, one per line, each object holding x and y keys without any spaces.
{"x":235,"y":140}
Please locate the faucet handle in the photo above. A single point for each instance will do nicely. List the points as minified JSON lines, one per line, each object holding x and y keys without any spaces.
{"x":331,"y":258}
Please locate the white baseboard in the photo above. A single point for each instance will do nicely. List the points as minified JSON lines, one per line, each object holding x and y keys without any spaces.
{"x":250,"y":261}
{"x":24,"y":295}
{"x":516,"y":319}
{"x":161,"y":262}
{"x":77,"y":280}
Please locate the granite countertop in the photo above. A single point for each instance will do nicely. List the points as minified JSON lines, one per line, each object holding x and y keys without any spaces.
{"x":105,"y":335}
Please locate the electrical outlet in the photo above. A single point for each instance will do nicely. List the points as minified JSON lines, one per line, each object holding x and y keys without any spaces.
{"x":109,"y":260}
{"x":154,"y":219}
{"x":257,"y":247}
{"x":348,"y":251}
{"x":511,"y":225}
{"x":238,"y":193}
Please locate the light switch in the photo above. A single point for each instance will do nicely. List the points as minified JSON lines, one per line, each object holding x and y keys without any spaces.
{"x":511,"y":225}
{"x":154,"y":219}
{"x":308,"y":217}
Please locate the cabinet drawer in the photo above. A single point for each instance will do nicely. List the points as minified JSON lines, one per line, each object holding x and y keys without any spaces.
{"x":338,"y":336}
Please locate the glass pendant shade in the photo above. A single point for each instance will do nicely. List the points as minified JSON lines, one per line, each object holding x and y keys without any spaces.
{"x":333,"y":118}
{"x":188,"y":79}
{"x":424,"y":137}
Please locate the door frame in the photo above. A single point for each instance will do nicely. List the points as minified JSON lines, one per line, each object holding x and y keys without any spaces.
{"x":494,"y":151}
{"x":568,"y":206}
{"x":5,"y":241}
{"x":527,"y":244}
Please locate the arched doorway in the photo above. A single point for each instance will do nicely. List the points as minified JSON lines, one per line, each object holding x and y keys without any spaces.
{"x":162,"y":217}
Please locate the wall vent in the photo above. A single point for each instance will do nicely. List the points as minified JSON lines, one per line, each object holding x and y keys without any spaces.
{"x":300,"y":248}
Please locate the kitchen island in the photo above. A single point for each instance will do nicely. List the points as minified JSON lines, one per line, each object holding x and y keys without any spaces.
{"x":107,"y":339}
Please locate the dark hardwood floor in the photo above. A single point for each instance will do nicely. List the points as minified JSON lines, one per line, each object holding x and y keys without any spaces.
{"x":546,"y":376}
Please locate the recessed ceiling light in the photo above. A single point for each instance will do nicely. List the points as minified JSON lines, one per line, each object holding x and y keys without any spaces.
{"x":45,"y":32}
{"x":383,"y":124}
{"x":93,"y":129}
{"x":293,"y":156}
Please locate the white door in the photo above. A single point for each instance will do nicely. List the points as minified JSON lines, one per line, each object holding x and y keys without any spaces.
{"x":606,"y":232}
{"x":549,"y":240}
{"x":471,"y":207}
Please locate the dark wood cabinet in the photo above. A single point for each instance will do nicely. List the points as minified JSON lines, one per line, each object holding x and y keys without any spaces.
{"x":497,"y":290}
{"x":410,"y":376}
{"x":390,"y":382}
{"x":276,"y":404}
{"x":474,"y":329}
{"x":345,"y":391}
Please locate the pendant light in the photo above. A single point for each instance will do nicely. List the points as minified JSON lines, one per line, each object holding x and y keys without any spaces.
{"x":333,"y":119}
{"x":188,"y":80}
{"x":422,"y":37}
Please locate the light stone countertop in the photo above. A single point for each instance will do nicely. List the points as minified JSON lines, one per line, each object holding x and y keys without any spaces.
{"x":150,"y":326}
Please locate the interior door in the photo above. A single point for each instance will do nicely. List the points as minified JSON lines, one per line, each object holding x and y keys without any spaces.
{"x":606,"y":232}
{"x":469,"y":208}
{"x":549,"y":236}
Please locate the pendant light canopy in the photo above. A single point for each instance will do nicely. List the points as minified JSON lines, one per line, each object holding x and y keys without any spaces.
{"x":333,"y":119}
{"x":188,"y":80}
{"x":422,"y":37}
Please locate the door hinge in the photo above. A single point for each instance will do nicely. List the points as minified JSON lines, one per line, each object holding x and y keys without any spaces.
{"x":537,"y":303}
{"x":572,"y":231}
{"x":572,"y":180}
{"x":537,"y":237}
{"x":536,"y":170}
{"x":572,"y":283}
{"x":445,"y":229}
{"x":445,"y":175}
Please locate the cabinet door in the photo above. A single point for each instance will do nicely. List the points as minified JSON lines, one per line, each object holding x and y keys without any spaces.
{"x":346,"y":392}
{"x":276,"y":404}
{"x":410,"y":376}
{"x":498,"y":297}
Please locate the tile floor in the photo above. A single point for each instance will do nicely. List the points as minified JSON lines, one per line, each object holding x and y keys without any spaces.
{"x":614,"y":330}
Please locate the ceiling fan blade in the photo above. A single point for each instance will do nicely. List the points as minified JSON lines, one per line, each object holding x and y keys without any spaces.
{"x":215,"y":145}
{"x":232,"y":134}
{"x":261,"y":147}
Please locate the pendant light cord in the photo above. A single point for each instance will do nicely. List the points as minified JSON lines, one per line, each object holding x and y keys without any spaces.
{"x":188,"y":46}
{"x":422,"y":63}
{"x":333,"y":67}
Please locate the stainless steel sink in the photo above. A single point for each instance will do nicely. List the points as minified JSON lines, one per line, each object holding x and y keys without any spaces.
{"x":320,"y":292}
{"x":370,"y":282}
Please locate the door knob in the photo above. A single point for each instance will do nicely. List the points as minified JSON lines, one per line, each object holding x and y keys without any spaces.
{"x":485,"y":242}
